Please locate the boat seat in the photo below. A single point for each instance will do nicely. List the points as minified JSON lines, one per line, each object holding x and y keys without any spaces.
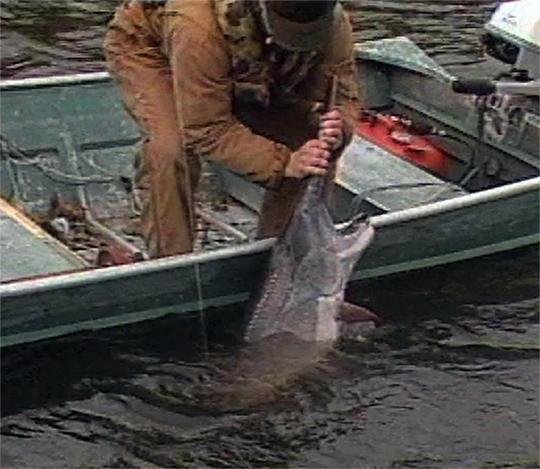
{"x":368,"y":172}
{"x":388,"y":181}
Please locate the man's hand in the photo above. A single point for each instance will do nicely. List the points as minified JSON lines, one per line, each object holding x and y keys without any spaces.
{"x":310,"y":160}
{"x":331,"y":129}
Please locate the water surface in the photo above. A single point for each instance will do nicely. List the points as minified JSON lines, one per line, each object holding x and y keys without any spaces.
{"x":451,"y":380}
{"x":54,"y":37}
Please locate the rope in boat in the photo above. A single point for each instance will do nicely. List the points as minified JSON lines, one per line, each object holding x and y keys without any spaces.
{"x":21,"y":158}
{"x":358,"y":198}
{"x":193,"y":217}
{"x":200,"y":304}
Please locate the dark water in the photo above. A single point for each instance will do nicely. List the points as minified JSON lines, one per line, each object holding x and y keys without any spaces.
{"x":64,"y":36}
{"x":450,"y":380}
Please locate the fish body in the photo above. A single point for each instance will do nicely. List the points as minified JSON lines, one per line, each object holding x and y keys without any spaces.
{"x":309,"y":268}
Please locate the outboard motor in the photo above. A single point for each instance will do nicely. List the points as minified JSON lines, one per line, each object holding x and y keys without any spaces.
{"x":511,"y":99}
{"x":513,"y":37}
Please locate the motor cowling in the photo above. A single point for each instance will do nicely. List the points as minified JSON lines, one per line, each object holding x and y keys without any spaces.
{"x":513,"y":35}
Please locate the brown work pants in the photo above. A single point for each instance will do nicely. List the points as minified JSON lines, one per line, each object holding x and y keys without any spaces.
{"x":166,"y":176}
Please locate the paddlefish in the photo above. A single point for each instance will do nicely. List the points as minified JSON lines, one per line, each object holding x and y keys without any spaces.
{"x":310,"y":265}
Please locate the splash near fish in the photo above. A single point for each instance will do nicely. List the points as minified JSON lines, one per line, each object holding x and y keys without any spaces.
{"x":309,"y":268}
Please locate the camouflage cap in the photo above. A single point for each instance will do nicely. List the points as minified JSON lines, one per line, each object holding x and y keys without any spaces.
{"x":299,"y":25}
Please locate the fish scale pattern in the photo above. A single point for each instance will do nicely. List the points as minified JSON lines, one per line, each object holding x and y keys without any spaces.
{"x":308,"y":271}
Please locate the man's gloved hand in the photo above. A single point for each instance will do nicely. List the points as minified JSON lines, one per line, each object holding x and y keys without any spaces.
{"x":331,"y":129}
{"x":310,"y":160}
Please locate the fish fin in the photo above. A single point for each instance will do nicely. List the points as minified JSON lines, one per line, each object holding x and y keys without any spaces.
{"x":349,"y":312}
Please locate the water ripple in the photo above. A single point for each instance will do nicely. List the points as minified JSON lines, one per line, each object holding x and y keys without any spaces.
{"x":65,"y":36}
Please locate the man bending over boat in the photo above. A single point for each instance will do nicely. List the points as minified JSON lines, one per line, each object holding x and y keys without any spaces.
{"x":240,"y":82}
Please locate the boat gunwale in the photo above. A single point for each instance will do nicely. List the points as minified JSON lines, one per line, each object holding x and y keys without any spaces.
{"x":63,"y":280}
{"x":97,"y":275}
{"x":28,"y":285}
{"x":55,"y":80}
{"x":457,"y":203}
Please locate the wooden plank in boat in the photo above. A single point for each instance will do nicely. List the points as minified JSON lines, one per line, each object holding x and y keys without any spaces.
{"x":27,"y":250}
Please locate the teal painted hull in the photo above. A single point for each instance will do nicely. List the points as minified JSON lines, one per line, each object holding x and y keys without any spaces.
{"x":80,"y":124}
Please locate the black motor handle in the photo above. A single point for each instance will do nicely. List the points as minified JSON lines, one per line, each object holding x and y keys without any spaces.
{"x":477,"y":86}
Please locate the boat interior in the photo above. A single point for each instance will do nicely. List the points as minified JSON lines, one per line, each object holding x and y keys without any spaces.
{"x":69,"y":200}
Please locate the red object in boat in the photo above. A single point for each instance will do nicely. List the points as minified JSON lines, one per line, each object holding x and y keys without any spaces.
{"x":395,"y":135}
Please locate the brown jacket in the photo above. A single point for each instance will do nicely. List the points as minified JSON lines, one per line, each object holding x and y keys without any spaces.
{"x":255,"y":141}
